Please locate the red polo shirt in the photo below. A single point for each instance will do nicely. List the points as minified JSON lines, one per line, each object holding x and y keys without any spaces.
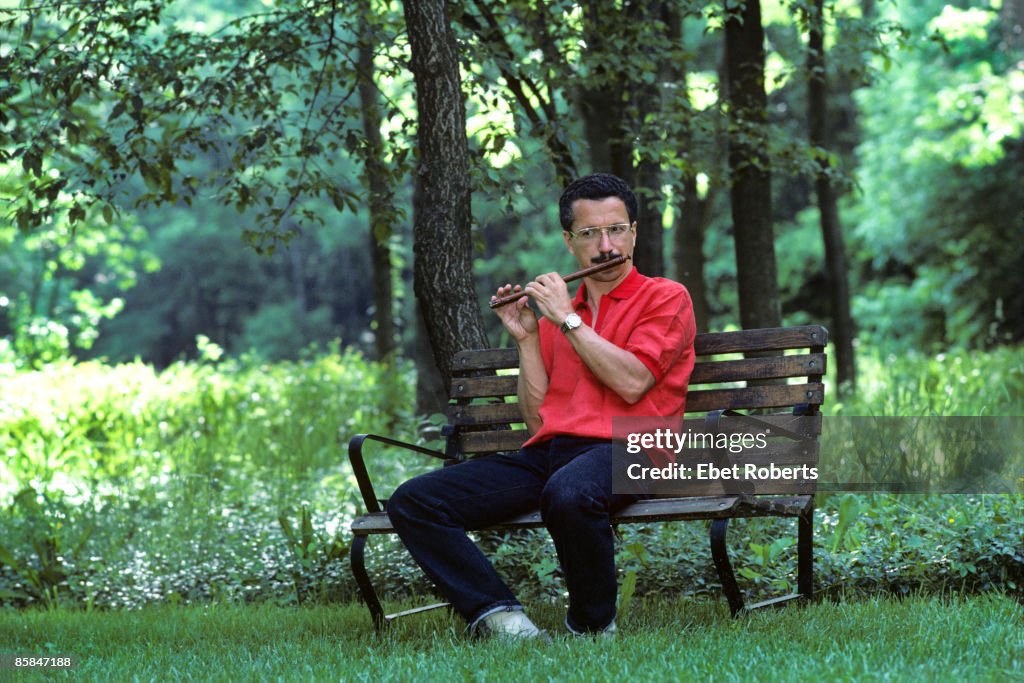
{"x":650,"y":317}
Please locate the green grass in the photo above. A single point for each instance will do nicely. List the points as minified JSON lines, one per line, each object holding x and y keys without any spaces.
{"x":920,"y":638}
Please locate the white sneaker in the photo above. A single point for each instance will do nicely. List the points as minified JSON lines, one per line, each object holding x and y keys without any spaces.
{"x":607,"y":632}
{"x":511,"y":623}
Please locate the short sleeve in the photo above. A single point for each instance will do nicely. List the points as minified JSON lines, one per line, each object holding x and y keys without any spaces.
{"x":664,"y":329}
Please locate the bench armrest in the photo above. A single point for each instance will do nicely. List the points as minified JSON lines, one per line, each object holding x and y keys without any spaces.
{"x":355,"y":456}
{"x":724,"y":459}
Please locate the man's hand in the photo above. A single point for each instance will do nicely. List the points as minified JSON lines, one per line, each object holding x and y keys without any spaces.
{"x":518,"y":318}
{"x":551,"y":295}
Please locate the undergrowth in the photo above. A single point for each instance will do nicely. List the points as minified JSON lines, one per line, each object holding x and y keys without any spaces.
{"x":226,"y":480}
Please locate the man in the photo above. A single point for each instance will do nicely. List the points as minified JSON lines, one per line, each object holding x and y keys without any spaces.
{"x":622,"y":347}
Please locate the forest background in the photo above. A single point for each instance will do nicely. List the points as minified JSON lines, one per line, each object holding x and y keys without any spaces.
{"x":212,"y":231}
{"x":130,"y":194}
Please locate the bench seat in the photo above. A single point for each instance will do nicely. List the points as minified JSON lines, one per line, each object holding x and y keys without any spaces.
{"x":654,"y":510}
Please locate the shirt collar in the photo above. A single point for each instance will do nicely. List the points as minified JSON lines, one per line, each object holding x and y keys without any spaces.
{"x":624,"y":290}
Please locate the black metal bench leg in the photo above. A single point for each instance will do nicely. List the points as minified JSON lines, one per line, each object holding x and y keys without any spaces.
{"x":720,"y":554}
{"x":363,"y":581}
{"x":805,"y":554}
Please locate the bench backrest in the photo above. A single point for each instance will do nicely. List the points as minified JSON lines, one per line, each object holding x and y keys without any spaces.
{"x":779,"y":369}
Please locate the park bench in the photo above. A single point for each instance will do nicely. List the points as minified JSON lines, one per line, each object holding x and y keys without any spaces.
{"x":764,"y":372}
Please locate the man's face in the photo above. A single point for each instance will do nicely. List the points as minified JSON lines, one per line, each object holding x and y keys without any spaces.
{"x":603,"y":244}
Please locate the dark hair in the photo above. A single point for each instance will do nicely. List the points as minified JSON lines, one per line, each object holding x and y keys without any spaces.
{"x":595,"y":186}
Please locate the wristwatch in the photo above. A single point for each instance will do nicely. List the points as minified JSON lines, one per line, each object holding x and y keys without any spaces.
{"x":572,"y":321}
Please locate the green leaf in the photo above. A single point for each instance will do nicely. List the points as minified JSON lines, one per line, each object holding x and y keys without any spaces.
{"x":307,"y":526}
{"x":7,"y":557}
{"x":22,"y":218}
{"x":32,"y":162}
{"x":149,"y":176}
{"x":748,"y":573}
{"x":849,"y":508}
{"x":76,"y":213}
{"x":626,"y":592}
{"x":286,"y":528}
{"x":338,"y":200}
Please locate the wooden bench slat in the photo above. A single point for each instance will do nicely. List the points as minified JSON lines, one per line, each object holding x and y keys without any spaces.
{"x":483,"y":387}
{"x":779,"y":452}
{"x":769,"y":396}
{"x":502,"y":414}
{"x":718,"y":487}
{"x":772,"y":367}
{"x":700,"y":400}
{"x":484,"y":414}
{"x":740,"y":341}
{"x":775,"y":367}
{"x":508,"y":414}
{"x":485,"y":359}
{"x":789,"y":506}
{"x":804,"y":425}
{"x":782,"y":453}
{"x":769,"y":339}
{"x":653,"y":510}
{"x":667,"y":509}
{"x":496,"y":440}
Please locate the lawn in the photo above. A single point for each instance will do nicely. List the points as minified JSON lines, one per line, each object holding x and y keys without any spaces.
{"x":918,"y":638}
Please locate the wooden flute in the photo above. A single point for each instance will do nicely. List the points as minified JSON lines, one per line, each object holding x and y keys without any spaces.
{"x":610,"y":263}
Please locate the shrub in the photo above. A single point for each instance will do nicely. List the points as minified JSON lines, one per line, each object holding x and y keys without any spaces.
{"x":224,"y":480}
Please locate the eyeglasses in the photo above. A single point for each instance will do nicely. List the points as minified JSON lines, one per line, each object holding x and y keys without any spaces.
{"x":590,"y":235}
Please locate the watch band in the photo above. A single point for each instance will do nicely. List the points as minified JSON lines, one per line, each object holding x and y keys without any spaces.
{"x":571,"y":322}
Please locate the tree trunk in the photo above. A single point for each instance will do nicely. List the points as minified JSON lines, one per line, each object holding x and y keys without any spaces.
{"x":649,"y":254}
{"x":442,"y":243}
{"x":1011,"y":21}
{"x":749,"y":168}
{"x":692,"y":214}
{"x":691,"y":226}
{"x":381,"y":199}
{"x":600,"y":101}
{"x":431,"y":389}
{"x":612,"y":123}
{"x":836,"y":266}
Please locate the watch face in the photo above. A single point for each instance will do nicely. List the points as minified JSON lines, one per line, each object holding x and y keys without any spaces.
{"x":572,"y":321}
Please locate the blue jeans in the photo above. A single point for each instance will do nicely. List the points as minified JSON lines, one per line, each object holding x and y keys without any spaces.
{"x":569,"y":478}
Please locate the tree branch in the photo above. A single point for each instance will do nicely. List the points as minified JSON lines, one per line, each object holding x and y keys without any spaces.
{"x":561,"y":157}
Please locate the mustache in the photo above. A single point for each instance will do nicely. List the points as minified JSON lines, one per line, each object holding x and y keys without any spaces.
{"x":602,"y":258}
